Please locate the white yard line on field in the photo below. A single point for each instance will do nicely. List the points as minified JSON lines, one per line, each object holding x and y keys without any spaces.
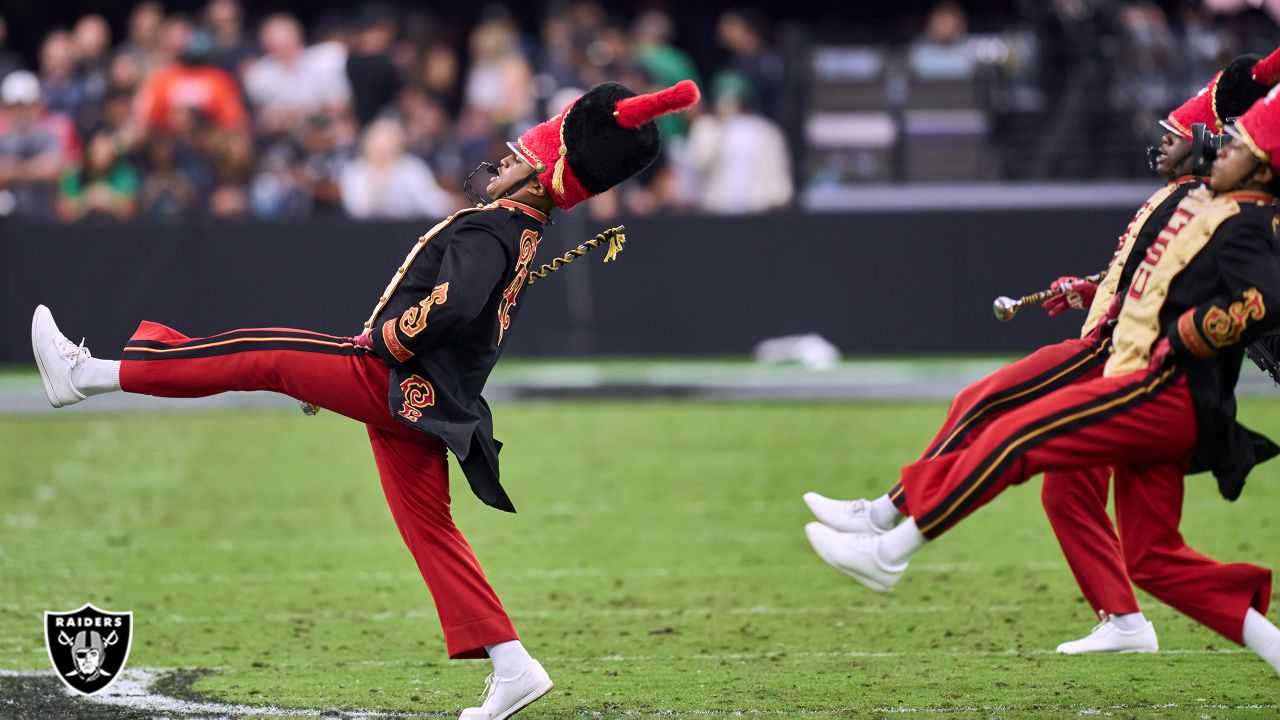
{"x":788,"y":655}
{"x":695,"y":612}
{"x":607,"y":612}
{"x":553,"y":574}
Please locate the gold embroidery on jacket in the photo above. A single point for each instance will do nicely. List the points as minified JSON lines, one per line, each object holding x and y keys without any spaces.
{"x":414,"y":320}
{"x":1224,"y":327}
{"x":528,"y":248}
{"x":418,"y":394}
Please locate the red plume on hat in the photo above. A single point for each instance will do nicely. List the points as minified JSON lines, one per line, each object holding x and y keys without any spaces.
{"x":636,"y":111}
{"x":1267,"y":70}
{"x":600,"y":139}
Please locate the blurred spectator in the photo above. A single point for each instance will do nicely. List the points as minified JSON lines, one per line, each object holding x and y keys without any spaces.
{"x":1150,"y":54}
{"x":143,"y":44}
{"x":191,"y":84}
{"x":117,"y":119}
{"x":667,"y":65}
{"x":177,"y":33}
{"x":36,"y":146}
{"x":741,"y":155}
{"x":942,"y":52}
{"x":439,"y":75}
{"x":607,"y":58}
{"x":105,"y":187}
{"x":744,"y":33}
{"x":124,"y":73}
{"x":231,"y":154}
{"x":373,"y":76}
{"x":326,"y":156}
{"x":500,"y":81}
{"x":280,"y":189}
{"x":233,"y":50}
{"x":174,"y":180}
{"x":386,"y":182}
{"x":430,"y":136}
{"x":557,"y":63}
{"x":288,"y":83}
{"x":1207,"y":48}
{"x":63,"y":91}
{"x":10,"y":60}
{"x":327,"y":59}
{"x":91,"y":38}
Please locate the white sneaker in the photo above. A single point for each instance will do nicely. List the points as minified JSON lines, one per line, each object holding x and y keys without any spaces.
{"x":504,"y":697}
{"x":851,"y":516}
{"x":853,"y":554}
{"x":56,"y":356}
{"x":1108,"y":637}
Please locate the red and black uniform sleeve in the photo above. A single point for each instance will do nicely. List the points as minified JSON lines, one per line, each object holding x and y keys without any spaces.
{"x":1248,"y":307}
{"x":472,"y":266}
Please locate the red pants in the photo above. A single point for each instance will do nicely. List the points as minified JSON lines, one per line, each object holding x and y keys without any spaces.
{"x":1048,"y":369}
{"x":1074,"y":500}
{"x":1141,"y":423}
{"x":1076,"y":503}
{"x":327,"y":371}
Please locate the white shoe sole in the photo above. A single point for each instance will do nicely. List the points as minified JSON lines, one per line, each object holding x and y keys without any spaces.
{"x":42,"y":313}
{"x":863,"y":580}
{"x":527,"y":700}
{"x":1129,"y":651}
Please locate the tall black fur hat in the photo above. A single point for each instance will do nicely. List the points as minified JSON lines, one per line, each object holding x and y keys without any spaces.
{"x":600,"y":139}
{"x":1245,"y":81}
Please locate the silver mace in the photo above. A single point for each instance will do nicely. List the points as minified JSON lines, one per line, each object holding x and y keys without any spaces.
{"x":1006,"y":307}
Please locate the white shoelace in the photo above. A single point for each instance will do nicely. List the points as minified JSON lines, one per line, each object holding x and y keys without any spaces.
{"x":1101,"y":626}
{"x":859,"y":507}
{"x":75,"y":353}
{"x":490,"y":684}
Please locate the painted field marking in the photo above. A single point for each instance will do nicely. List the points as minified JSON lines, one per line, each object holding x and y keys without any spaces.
{"x":133,"y":691}
{"x":556,"y":573}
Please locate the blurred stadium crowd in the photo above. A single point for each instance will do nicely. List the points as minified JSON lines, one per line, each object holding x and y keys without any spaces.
{"x":360,"y":114}
{"x":357,"y":114}
{"x":376,"y":113}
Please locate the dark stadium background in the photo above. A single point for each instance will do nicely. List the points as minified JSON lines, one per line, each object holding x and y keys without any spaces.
{"x":925,"y":230}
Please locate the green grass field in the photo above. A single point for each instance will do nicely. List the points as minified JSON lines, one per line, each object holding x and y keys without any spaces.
{"x":657,"y":567}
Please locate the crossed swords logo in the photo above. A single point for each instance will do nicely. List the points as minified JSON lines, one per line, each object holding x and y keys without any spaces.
{"x":88,"y":654}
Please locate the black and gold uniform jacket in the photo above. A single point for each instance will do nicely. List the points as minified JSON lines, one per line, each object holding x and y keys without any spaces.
{"x":441,"y":325}
{"x":1210,"y":283}
{"x":1137,"y":237}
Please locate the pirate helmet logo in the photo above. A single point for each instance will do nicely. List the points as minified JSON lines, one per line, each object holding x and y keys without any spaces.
{"x":88,"y":647}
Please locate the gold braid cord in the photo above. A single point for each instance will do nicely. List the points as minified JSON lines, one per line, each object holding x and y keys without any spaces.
{"x":613,"y":236}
